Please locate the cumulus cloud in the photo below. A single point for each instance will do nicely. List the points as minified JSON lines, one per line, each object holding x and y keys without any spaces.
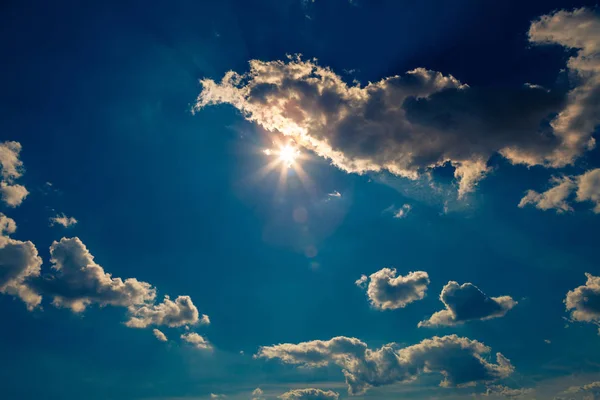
{"x":309,"y":394}
{"x":565,"y":190}
{"x":12,"y":195}
{"x":196,"y":340}
{"x":19,"y":261}
{"x":386,"y":291}
{"x":11,"y":168}
{"x":257,"y":394}
{"x":77,"y":281}
{"x":421,"y":120}
{"x":62,"y":219}
{"x":466,"y":303}
{"x":584,"y":301}
{"x":171,"y":313}
{"x":500,"y":390}
{"x":159,"y":335}
{"x":460,"y":361}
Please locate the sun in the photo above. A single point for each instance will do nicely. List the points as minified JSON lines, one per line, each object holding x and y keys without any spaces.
{"x":288,"y":154}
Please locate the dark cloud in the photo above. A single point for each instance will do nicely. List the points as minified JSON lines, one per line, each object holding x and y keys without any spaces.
{"x":466,"y":303}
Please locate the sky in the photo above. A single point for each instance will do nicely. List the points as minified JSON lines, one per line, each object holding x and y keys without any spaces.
{"x":299,"y":200}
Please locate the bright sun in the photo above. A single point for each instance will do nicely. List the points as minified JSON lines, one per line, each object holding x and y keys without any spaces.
{"x":287,"y":154}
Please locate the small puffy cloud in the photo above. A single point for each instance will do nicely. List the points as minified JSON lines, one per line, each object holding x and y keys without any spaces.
{"x":12,"y":195}
{"x":584,"y":301}
{"x":466,"y":303}
{"x":62,"y":219}
{"x":19,"y":262}
{"x":386,"y":291}
{"x":196,"y":340}
{"x":257,"y":394}
{"x":500,"y":390}
{"x":565,"y":190}
{"x":215,"y":396}
{"x":335,"y":193}
{"x":11,"y":168}
{"x":204,"y":320}
{"x":403,"y":211}
{"x":170,"y":313}
{"x":460,"y":361}
{"x":421,"y":120}
{"x":547,"y":341}
{"x":77,"y":281}
{"x":309,"y":394}
{"x":159,"y":335}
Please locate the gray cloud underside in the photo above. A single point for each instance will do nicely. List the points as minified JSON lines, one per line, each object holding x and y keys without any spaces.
{"x":584,"y":301}
{"x":460,"y":361}
{"x":466,"y":303}
{"x":412,"y":123}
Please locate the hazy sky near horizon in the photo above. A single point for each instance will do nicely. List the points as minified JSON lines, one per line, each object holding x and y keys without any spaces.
{"x":299,"y":199}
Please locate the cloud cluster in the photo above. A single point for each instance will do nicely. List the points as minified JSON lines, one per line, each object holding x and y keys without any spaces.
{"x":170,"y":313}
{"x":466,"y":303}
{"x":423,"y":119}
{"x":500,"y":390}
{"x":460,"y":361}
{"x":584,"y":301}
{"x":565,"y":189}
{"x":309,"y":394}
{"x":196,"y":340}
{"x":386,"y":291}
{"x":19,"y":262}
{"x":62,"y":219}
{"x":11,"y":168}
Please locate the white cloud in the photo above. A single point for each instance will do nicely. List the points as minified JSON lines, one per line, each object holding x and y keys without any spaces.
{"x":159,"y":335}
{"x":19,"y":261}
{"x":335,"y":193}
{"x":460,"y":361}
{"x":196,"y":340}
{"x":77,"y":281}
{"x":593,"y":387}
{"x":62,"y":219}
{"x":584,"y":301}
{"x":466,"y":303}
{"x":170,"y":313}
{"x":204,"y":320}
{"x":11,"y":168}
{"x":419,"y":121}
{"x":499,"y":390}
{"x":388,"y":292}
{"x":12,"y":195}
{"x":217,"y":396}
{"x":257,"y":394}
{"x":403,"y":211}
{"x":309,"y":394}
{"x":586,"y":188}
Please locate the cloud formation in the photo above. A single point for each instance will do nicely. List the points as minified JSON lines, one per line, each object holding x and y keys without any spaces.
{"x":386,"y":291}
{"x":565,"y":190}
{"x":500,"y":390}
{"x":584,"y":301}
{"x":62,"y":219}
{"x":467,"y":303}
{"x":593,"y":387}
{"x":11,"y":168}
{"x":196,"y":340}
{"x":159,"y":335}
{"x":422,"y":120}
{"x":19,"y":261}
{"x":170,"y":313}
{"x":309,"y":394}
{"x":460,"y":361}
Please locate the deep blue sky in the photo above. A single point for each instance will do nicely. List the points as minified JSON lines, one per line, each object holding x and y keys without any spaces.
{"x":99,"y":94}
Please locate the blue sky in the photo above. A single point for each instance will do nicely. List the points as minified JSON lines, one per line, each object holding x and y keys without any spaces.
{"x":300,"y":200}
